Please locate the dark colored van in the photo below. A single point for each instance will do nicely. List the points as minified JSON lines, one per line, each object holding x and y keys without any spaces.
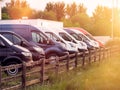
{"x":37,"y":52}
{"x":13,"y":54}
{"x":34,"y":34}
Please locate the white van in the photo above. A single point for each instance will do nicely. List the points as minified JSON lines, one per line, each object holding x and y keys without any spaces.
{"x":84,"y":37}
{"x":60,"y":35}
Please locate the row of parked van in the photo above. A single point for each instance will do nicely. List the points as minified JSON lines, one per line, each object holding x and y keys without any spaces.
{"x":26,"y":42}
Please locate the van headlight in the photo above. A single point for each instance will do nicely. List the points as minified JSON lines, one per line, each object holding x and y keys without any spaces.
{"x":63,"y":45}
{"x":91,"y":43}
{"x":72,"y":45}
{"x":28,"y":54}
{"x":96,"y":44}
{"x":38,"y":49}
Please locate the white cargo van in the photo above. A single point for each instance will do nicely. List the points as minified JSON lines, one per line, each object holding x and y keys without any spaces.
{"x":87,"y":40}
{"x":60,"y":35}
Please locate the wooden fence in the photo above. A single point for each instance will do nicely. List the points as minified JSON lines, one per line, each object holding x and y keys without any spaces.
{"x":39,"y":72}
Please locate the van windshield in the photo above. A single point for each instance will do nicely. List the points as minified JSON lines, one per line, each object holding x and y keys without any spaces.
{"x":76,"y":36}
{"x":65,"y":37}
{"x":53,"y":36}
{"x":7,"y":41}
{"x":89,"y":36}
{"x":39,"y":37}
{"x":83,"y":37}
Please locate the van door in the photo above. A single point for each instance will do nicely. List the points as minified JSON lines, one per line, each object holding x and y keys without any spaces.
{"x":3,"y":51}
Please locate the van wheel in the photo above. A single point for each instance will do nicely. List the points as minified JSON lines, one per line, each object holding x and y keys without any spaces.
{"x":12,"y":72}
{"x":52,"y":58}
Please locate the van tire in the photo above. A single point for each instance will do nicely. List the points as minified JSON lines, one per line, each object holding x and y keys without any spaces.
{"x":52,"y":58}
{"x":13,"y":71}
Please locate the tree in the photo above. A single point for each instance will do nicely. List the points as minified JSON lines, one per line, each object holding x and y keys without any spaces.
{"x":71,"y":10}
{"x":116,"y":22}
{"x":16,"y":9}
{"x":82,"y":20}
{"x":102,"y":21}
{"x":0,"y":9}
{"x":5,"y":16}
{"x":49,"y":6}
{"x":49,"y":15}
{"x":58,"y":8}
{"x":81,"y":8}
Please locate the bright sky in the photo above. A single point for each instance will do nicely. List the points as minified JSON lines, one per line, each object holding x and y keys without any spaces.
{"x":89,"y":4}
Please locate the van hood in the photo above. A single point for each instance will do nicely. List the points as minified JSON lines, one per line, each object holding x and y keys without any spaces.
{"x":18,"y":48}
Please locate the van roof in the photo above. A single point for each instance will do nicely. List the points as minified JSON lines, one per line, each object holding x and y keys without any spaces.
{"x":38,"y":22}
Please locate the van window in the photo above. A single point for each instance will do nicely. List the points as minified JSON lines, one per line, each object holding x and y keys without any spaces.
{"x":8,"y":36}
{"x":39,"y":37}
{"x":84,"y":37}
{"x":76,"y":36}
{"x":16,"y":40}
{"x":12,"y":38}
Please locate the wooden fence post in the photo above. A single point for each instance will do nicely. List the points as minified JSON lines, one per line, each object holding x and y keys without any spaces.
{"x":23,"y":76}
{"x":57,"y":65}
{"x":111,"y":50}
{"x":67,"y":65}
{"x":104,"y":51}
{"x":76,"y":59}
{"x":95,"y":51}
{"x":0,"y":77}
{"x":83,"y":58}
{"x":89,"y":56}
{"x":42,"y":70}
{"x":99,"y":54}
{"x":109,"y":53}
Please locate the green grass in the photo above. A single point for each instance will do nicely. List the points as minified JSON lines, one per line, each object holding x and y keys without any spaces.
{"x":98,"y":76}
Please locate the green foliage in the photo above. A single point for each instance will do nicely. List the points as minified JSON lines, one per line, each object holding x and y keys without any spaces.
{"x":49,"y":15}
{"x":71,"y":10}
{"x":49,"y":7}
{"x":101,"y":21}
{"x":116,"y":22}
{"x":83,"y":19}
{"x":5,"y":16}
{"x":81,"y":8}
{"x":58,"y":8}
{"x":67,"y":22}
{"x":98,"y":76}
{"x":16,"y":9}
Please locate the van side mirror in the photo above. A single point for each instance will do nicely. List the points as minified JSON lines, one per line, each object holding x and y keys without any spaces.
{"x":23,"y":43}
{"x":2,"y":45}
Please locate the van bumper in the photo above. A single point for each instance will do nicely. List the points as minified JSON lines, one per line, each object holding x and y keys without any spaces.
{"x":72,"y":52}
{"x":37,"y":56}
{"x":63,"y":53}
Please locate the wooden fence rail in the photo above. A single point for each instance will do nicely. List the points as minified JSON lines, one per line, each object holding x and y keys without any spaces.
{"x":39,"y":72}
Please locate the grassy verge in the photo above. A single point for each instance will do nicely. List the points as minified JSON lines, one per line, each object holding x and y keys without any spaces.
{"x":98,"y":76}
